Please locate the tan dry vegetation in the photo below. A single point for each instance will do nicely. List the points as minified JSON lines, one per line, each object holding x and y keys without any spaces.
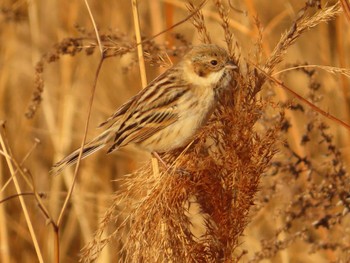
{"x":265,"y":181}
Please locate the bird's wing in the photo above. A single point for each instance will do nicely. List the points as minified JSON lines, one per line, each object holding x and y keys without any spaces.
{"x":154,"y":110}
{"x":133,"y":103}
{"x":145,"y":129}
{"x":122,"y":110}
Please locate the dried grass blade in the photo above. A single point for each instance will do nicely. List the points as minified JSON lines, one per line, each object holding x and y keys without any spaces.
{"x":302,"y":24}
{"x":302,"y":99}
{"x":7,"y":152}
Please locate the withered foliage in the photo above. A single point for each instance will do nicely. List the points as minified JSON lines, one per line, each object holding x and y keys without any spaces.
{"x":115,"y":44}
{"x":13,"y":11}
{"x":218,"y":177}
{"x":244,"y":167}
{"x":317,"y":212}
{"x":219,"y":173}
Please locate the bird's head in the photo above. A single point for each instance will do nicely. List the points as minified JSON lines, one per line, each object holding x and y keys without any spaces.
{"x":207,"y":64}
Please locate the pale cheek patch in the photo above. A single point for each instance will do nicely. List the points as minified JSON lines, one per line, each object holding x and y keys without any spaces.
{"x":208,"y":80}
{"x":214,"y":77}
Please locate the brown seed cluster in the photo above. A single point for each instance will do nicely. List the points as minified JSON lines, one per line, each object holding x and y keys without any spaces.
{"x":265,"y":179}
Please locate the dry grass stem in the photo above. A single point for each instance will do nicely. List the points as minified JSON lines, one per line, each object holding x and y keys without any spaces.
{"x":139,"y":40}
{"x":329,"y":69}
{"x":303,"y":22}
{"x":302,"y":99}
{"x":7,"y":152}
{"x":266,"y":179}
{"x":346,"y":8}
{"x":198,"y":22}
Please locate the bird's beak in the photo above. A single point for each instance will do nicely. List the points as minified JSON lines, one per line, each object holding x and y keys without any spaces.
{"x":231,"y":65}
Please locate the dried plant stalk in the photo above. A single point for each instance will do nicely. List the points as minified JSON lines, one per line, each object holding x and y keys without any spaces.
{"x":198,"y":22}
{"x":229,"y":39}
{"x":218,"y":173}
{"x":303,"y":23}
{"x":228,"y":180}
{"x":221,"y":180}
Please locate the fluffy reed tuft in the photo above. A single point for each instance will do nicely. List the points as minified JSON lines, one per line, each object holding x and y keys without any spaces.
{"x":265,"y":179}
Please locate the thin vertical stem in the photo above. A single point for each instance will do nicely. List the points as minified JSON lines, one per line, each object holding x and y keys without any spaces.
{"x":135,"y":13}
{"x":21,"y":199}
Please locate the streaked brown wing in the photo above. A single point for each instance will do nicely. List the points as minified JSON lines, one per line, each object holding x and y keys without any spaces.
{"x":151,"y":110}
{"x":150,"y":128}
{"x":122,"y":110}
{"x":137,"y":102}
{"x":150,"y":124}
{"x":154,"y":111}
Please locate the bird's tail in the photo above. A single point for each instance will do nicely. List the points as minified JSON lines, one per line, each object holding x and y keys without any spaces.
{"x":96,"y":144}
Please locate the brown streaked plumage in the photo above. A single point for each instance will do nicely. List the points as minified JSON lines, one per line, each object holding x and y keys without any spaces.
{"x":167,"y":113}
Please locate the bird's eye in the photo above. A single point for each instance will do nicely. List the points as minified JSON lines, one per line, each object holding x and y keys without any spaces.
{"x":214,"y":62}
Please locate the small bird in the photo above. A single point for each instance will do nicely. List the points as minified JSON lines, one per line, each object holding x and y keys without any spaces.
{"x":167,"y":113}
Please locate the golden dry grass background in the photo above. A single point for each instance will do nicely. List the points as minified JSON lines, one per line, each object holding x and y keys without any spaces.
{"x":287,"y":205}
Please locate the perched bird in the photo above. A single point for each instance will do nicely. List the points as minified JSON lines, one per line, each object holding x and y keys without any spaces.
{"x":168,"y":112}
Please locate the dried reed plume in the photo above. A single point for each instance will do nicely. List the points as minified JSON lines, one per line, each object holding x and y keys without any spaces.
{"x":197,"y":210}
{"x":265,"y":179}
